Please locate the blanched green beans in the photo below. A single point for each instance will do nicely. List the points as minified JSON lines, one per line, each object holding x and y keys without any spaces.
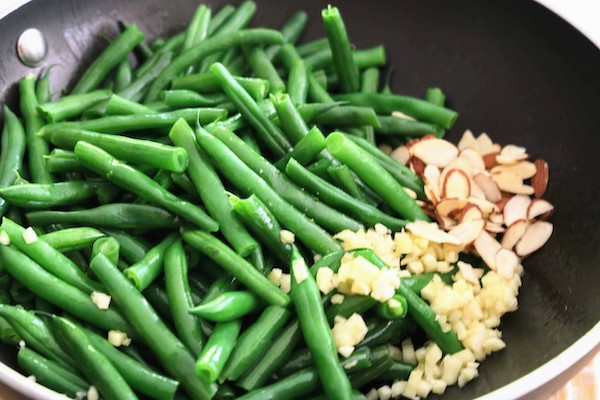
{"x":72,"y":106}
{"x":343,"y":61}
{"x":49,"y":195}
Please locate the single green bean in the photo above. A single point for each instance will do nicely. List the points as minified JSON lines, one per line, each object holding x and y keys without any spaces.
{"x":12,"y":152}
{"x":398,"y":371}
{"x":315,"y":328}
{"x":300,"y":359}
{"x":115,"y":216}
{"x":42,"y":88}
{"x":109,"y":246}
{"x":49,"y":195}
{"x":131,"y":248}
{"x":374,"y":175}
{"x":255,"y":339}
{"x":60,"y":160}
{"x":290,"y":119}
{"x":50,"y":374}
{"x":344,"y":64}
{"x":236,"y":265}
{"x":8,"y":335}
{"x":146,"y":270}
{"x":350,"y":305}
{"x":290,"y":31}
{"x":316,"y":45}
{"x":116,"y":52}
{"x":297,"y":385}
{"x":306,"y":150}
{"x":133,"y":150}
{"x":209,"y":46}
{"x":263,"y":68}
{"x":435,"y":96}
{"x":228,"y":306}
{"x":180,"y":300}
{"x":207,"y":83}
{"x":343,"y":178}
{"x":381,"y":362}
{"x":171,"y":353}
{"x":72,"y":106}
{"x":211,"y":190}
{"x":390,"y":125}
{"x":59,"y":293}
{"x":246,"y":180}
{"x":345,"y":116}
{"x":155,"y":65}
{"x":363,"y":59}
{"x":220,"y":17}
{"x":117,"y":105}
{"x":215,"y":354}
{"x":298,"y":83}
{"x":198,"y":27}
{"x":140,"y":184}
{"x":37,"y":148}
{"x":339,"y":199}
{"x":394,"y":308}
{"x":187,"y":98}
{"x":123,"y":74}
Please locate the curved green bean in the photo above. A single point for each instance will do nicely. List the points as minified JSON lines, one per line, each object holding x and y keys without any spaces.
{"x":149,"y":267}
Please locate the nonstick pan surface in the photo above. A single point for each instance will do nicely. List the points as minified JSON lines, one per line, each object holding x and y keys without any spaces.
{"x":511,"y":69}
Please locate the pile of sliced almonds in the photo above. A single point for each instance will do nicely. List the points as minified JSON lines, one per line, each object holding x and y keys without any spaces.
{"x":486,"y":195}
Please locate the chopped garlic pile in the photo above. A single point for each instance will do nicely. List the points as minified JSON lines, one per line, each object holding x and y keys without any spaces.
{"x":347,"y":333}
{"x":280,"y":279}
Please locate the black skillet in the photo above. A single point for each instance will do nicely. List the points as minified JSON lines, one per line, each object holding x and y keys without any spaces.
{"x":511,"y":69}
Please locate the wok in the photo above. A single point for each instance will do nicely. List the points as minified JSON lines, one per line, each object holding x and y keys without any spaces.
{"x":511,"y":69}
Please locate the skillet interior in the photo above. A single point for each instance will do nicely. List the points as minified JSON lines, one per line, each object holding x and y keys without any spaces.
{"x":511,"y":69}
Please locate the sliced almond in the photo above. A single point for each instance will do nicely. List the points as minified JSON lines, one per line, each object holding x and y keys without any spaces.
{"x":458,"y":163}
{"x":468,"y":141}
{"x":447,"y":206}
{"x":487,"y":247}
{"x":496,"y":218}
{"x":456,"y":185}
{"x":431,"y":195}
{"x":510,"y":154}
{"x":511,"y":183}
{"x":416,"y":140}
{"x":540,"y":179}
{"x":437,"y":152}
{"x":506,"y":263}
{"x":484,"y":141}
{"x":469,"y":213}
{"x":522,"y":169}
{"x":535,"y":236}
{"x":494,"y":228}
{"x":474,"y":158}
{"x":539,"y":207}
{"x":513,"y":233}
{"x":493,"y":149}
{"x":468,"y":231}
{"x":401,"y":154}
{"x":446,"y":223}
{"x":485,"y":206}
{"x":431,"y":177}
{"x":431,"y":232}
{"x":515,"y":209}
{"x":488,"y":186}
{"x":489,"y":159}
{"x":502,"y":202}
{"x":417,"y":165}
{"x":476,"y":190}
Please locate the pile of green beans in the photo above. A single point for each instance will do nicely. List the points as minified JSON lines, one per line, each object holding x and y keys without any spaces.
{"x":166,"y":181}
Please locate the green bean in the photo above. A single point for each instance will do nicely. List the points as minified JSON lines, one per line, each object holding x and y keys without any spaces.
{"x":356,"y":395}
{"x":72,"y":106}
{"x":369,"y":80}
{"x":342,"y":177}
{"x":416,"y":108}
{"x":59,"y":161}
{"x":187,"y":98}
{"x":341,"y":51}
{"x":263,"y":68}
{"x":327,"y":217}
{"x":394,"y":308}
{"x":124,"y":123}
{"x":140,"y":184}
{"x":50,"y":374}
{"x":123,"y":74}
{"x":390,"y":125}
{"x":268,"y":132}
{"x":313,"y":46}
{"x":187,"y":326}
{"x":215,"y":354}
{"x":115,"y":216}
{"x":133,"y":150}
{"x":363,"y":59}
{"x":211,"y":190}
{"x":381,"y":362}
{"x":435,"y":96}
{"x":236,"y":265}
{"x":108,"y":59}
{"x":357,"y":361}
{"x":94,"y":365}
{"x":117,"y":105}
{"x":317,"y":92}
{"x":48,"y":258}
{"x":374,"y":175}
{"x":398,"y":371}
{"x":145,"y":76}
{"x":331,"y":261}
{"x":298,"y":83}
{"x":8,"y":335}
{"x":42,"y":88}
{"x":350,"y":305}
{"x":198,"y":27}
{"x":290,"y":31}
{"x":247,"y":181}
{"x":12,"y":152}
{"x":207,"y":83}
{"x":137,"y":375}
{"x":171,"y":353}
{"x":220,"y":285}
{"x":315,"y":328}
{"x":37,"y":148}
{"x":131,"y":248}
{"x":336,"y":197}
{"x":36,"y":334}
{"x":306,"y":150}
{"x":291,"y":121}
{"x":49,"y":195}
{"x":297,"y":385}
{"x":220,"y":17}
{"x":321,"y":77}
{"x":109,"y":246}
{"x":346,"y":116}
{"x":159,"y":300}
{"x":255,"y":339}
{"x":227,"y":306}
{"x":418,"y":282}
{"x":400,"y":172}
{"x":149,"y":267}
{"x":209,"y":46}
{"x":59,"y":293}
